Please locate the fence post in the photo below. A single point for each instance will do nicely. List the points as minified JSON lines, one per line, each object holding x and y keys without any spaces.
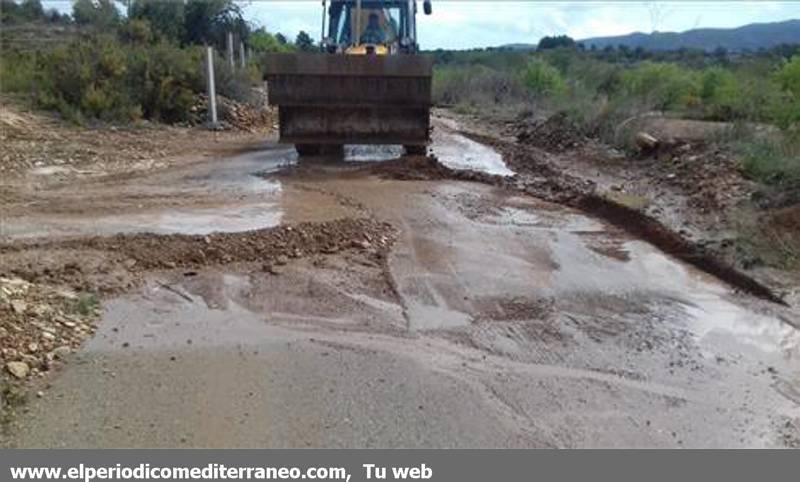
{"x":242,"y":57}
{"x":230,"y":50}
{"x":212,"y":95}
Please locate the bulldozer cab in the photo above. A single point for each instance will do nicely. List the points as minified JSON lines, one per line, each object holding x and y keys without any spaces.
{"x":389,"y":24}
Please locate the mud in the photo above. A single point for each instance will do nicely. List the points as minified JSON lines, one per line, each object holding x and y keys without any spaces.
{"x":110,"y":263}
{"x":570,"y":191}
{"x":445,"y":308}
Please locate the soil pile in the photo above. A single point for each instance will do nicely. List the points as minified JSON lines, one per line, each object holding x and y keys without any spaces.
{"x":710,"y":177}
{"x":558,"y":133}
{"x":113,"y":264}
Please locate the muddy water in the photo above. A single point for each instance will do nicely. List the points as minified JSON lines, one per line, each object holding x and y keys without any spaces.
{"x":224,"y":195}
{"x":499,"y":321}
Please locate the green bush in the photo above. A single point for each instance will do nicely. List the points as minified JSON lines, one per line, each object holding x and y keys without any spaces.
{"x":772,"y":161}
{"x":789,"y":79}
{"x":100,"y":78}
{"x":17,"y":72}
{"x":720,"y":93}
{"x":477,"y":86}
{"x":541,"y":78}
{"x":163,"y":80}
{"x":665,"y":86}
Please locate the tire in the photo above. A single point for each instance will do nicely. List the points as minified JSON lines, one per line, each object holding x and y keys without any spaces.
{"x":333,"y":150}
{"x":308,"y":149}
{"x":416,"y":150}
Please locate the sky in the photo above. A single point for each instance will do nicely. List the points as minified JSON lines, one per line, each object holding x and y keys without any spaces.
{"x":466,"y":24}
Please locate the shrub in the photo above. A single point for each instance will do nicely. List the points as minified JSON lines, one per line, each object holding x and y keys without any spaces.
{"x":789,"y":79}
{"x":477,"y":86}
{"x":665,"y":86}
{"x":17,"y":72}
{"x":542,"y":78}
{"x":167,"y":78}
{"x":720,"y":93}
{"x":100,"y":78}
{"x":774,"y":160}
{"x":86,"y":77}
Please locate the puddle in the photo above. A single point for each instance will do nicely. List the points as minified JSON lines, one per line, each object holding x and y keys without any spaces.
{"x":704,"y":308}
{"x":167,"y":319}
{"x":372,"y":153}
{"x":458,"y":152}
{"x":238,"y":218}
{"x":720,"y":321}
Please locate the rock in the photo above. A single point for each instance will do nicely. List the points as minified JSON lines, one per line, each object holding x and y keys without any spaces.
{"x":646,"y":142}
{"x":273,"y":269}
{"x":129,"y":263}
{"x":19,"y":370}
{"x":19,"y":306}
{"x":62,"y":352}
{"x":282,"y":260}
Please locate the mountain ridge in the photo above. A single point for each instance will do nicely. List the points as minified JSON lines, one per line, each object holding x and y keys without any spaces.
{"x":752,"y":36}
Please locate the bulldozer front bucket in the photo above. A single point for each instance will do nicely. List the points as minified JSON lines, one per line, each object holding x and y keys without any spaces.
{"x":351,"y":99}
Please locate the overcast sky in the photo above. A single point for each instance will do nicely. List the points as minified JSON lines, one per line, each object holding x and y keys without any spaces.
{"x":466,"y":24}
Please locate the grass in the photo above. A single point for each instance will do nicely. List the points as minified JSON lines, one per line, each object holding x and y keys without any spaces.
{"x":87,"y":305}
{"x":771,"y":161}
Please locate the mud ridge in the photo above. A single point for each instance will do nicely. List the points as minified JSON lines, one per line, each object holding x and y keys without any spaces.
{"x":93,"y":263}
{"x":553,"y":186}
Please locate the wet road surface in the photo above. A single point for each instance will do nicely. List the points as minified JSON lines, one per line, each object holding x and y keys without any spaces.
{"x":498,"y":321}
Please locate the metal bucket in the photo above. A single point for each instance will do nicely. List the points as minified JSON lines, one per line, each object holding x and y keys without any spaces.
{"x":351,"y":99}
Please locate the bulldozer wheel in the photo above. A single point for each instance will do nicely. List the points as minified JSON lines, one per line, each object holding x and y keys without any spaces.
{"x":308,"y":149}
{"x":335,"y":150}
{"x":416,"y":150}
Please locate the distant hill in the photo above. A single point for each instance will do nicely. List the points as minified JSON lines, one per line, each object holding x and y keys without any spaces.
{"x":749,"y":37}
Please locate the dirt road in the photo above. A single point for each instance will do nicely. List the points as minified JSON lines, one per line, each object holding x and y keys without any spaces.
{"x":495,"y":320}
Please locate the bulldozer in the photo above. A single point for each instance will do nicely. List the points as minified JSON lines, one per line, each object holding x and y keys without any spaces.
{"x":368,"y":84}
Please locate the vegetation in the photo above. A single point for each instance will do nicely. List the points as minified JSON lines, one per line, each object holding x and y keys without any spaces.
{"x":117,"y":69}
{"x":601,"y":89}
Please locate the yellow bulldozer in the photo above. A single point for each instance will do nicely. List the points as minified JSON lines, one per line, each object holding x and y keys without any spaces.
{"x":368,"y":84}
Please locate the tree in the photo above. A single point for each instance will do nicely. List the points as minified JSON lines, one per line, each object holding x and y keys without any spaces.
{"x":102,"y":14}
{"x":167,"y":18}
{"x":304,"y":42}
{"x":209,"y":21}
{"x":264,"y":42}
{"x":556,"y":42}
{"x":542,"y":78}
{"x":31,"y":10}
{"x":281,"y":38}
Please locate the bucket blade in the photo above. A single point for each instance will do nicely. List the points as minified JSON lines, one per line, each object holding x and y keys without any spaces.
{"x":347,"y":99}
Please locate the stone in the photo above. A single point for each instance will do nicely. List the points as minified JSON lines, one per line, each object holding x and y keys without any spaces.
{"x":62,"y":352}
{"x":19,"y":306}
{"x":646,"y":142}
{"x":19,"y":370}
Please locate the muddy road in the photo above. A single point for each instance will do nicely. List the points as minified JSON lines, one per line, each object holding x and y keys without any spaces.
{"x":493,"y":320}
